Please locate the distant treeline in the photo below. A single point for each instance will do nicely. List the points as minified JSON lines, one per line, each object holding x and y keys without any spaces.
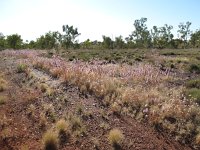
{"x":141,"y":37}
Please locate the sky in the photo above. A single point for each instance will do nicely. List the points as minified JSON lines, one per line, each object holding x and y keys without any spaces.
{"x":93,"y":18}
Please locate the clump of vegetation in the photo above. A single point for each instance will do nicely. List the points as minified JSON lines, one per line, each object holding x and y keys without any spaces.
{"x":50,"y":112}
{"x":194,"y":68}
{"x":21,"y":67}
{"x":43,"y":121}
{"x":63,"y":130}
{"x":77,"y":125}
{"x":194,"y":93}
{"x":50,"y":140}
{"x":3,"y":84}
{"x":3,"y":99}
{"x":195,"y":83}
{"x":115,"y":137}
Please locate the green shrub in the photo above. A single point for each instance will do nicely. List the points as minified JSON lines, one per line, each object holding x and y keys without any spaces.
{"x":194,"y":93}
{"x":194,"y":68}
{"x":21,"y":68}
{"x":195,"y":83}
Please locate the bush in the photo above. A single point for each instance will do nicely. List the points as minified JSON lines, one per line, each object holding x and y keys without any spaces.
{"x":50,"y":140}
{"x":195,"y":83}
{"x":115,"y":137}
{"x":194,"y":68}
{"x":194,"y":93}
{"x":21,"y":68}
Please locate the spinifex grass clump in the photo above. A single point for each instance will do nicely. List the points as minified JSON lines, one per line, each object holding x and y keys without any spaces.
{"x":115,"y":137}
{"x":3,"y":83}
{"x":50,"y":141}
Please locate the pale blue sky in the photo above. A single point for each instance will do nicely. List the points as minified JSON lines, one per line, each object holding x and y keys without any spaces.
{"x":93,"y":18}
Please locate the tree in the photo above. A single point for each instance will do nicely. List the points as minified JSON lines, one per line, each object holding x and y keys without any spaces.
{"x":2,"y":41}
{"x":184,"y":30}
{"x":141,"y":34}
{"x":68,"y":39}
{"x":119,"y":43}
{"x":49,"y":41}
{"x":86,"y":44}
{"x":162,"y":37}
{"x":195,"y":39}
{"x":14,"y":41}
{"x":107,"y":42}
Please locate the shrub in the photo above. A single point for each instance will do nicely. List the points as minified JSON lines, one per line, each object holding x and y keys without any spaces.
{"x":193,"y":83}
{"x":194,"y":68}
{"x":21,"y":68}
{"x":115,"y":137}
{"x":50,"y":141}
{"x":194,"y":93}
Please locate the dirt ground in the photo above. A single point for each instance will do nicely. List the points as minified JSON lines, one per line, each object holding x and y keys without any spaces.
{"x":20,"y":126}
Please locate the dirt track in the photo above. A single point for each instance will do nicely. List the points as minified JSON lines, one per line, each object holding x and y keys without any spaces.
{"x":23,"y":130}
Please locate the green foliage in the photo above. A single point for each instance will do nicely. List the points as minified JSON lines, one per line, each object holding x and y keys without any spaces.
{"x":14,"y":41}
{"x":162,"y":37}
{"x":21,"y":68}
{"x":194,"y":68}
{"x":68,"y":39}
{"x":2,"y":42}
{"x":184,"y":31}
{"x":195,"y":83}
{"x":194,"y":93}
{"x":107,"y":42}
{"x":195,"y":39}
{"x":141,"y":35}
{"x":48,"y":41}
{"x":119,"y":43}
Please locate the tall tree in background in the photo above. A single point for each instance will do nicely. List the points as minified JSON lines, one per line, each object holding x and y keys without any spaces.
{"x":184,"y":31}
{"x":195,"y":39}
{"x":2,"y":41}
{"x":14,"y":41}
{"x":107,"y":42}
{"x":119,"y":42}
{"x":141,"y":34}
{"x":68,"y":39}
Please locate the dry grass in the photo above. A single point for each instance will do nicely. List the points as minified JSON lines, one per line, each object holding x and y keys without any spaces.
{"x":3,"y":99}
{"x":62,"y":126}
{"x":50,"y":140}
{"x":142,"y":89}
{"x":3,"y":83}
{"x":115,"y":137}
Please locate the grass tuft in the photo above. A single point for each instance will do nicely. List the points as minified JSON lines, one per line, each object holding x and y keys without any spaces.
{"x":115,"y":137}
{"x":50,"y":140}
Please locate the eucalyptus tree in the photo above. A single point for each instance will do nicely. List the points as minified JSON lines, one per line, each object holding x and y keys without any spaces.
{"x":69,"y":38}
{"x":107,"y":42}
{"x":141,"y":35}
{"x":184,"y":31}
{"x":2,"y":41}
{"x":195,"y":39}
{"x":119,"y":42}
